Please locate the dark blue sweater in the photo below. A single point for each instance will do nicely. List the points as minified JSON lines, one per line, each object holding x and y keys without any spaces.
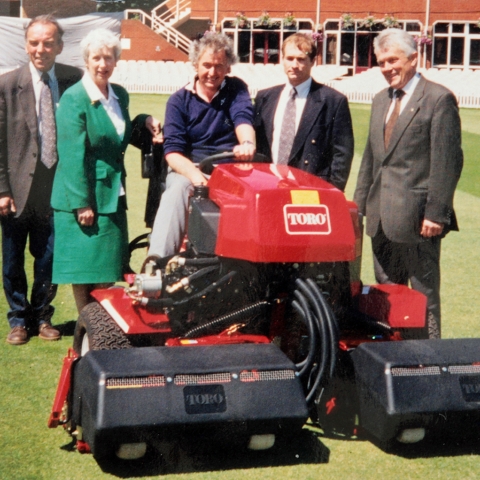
{"x":196,"y":128}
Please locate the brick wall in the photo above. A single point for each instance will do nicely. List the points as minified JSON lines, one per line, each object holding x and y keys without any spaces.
{"x":59,"y":8}
{"x":146,"y":44}
{"x":402,"y":9}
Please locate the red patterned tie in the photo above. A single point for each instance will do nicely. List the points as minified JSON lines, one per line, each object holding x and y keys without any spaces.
{"x":398,"y":94}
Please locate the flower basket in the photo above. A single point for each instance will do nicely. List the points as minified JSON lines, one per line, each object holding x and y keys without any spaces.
{"x":347,"y":21}
{"x":389,"y":21}
{"x":241,"y":20}
{"x":423,"y":39}
{"x":369,"y":22}
{"x":289,"y":21}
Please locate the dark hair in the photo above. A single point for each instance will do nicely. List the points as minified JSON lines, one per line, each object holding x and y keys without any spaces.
{"x":303,"y":42}
{"x":46,"y":19}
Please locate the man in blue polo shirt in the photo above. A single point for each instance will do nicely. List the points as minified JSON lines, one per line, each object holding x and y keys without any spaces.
{"x":210,"y":115}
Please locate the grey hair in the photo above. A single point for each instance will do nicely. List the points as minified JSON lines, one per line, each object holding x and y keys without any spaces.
{"x":394,"y":37}
{"x":45,"y":20}
{"x":99,"y":38}
{"x":217,"y":42}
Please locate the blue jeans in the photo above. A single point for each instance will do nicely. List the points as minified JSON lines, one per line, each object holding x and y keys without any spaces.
{"x":37,"y":226}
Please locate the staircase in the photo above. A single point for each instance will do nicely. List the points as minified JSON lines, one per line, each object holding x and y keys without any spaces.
{"x":165,"y":19}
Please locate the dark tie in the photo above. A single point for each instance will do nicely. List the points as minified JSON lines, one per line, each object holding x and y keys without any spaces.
{"x":287,"y":133}
{"x":49,"y":132}
{"x":397,"y":96}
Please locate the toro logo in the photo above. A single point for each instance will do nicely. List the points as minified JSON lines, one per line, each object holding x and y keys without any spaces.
{"x":204,"y":399}
{"x":307,"y":219}
{"x":470,"y":388}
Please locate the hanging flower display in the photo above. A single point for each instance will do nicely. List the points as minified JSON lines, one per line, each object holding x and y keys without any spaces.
{"x":423,"y":39}
{"x":241,"y":20}
{"x":368,"y":22}
{"x":289,"y":20}
{"x":390,"y":21}
{"x":264,"y":20}
{"x":317,"y":37}
{"x":347,"y":21}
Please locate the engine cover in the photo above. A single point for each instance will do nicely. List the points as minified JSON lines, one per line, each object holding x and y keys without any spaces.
{"x":275,"y":213}
{"x":120,"y":396}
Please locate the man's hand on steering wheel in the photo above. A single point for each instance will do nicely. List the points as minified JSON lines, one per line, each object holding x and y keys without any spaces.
{"x":245,"y":151}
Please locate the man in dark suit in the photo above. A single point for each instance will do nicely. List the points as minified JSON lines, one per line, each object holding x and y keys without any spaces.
{"x":409,"y":172}
{"x":26,"y":176}
{"x":320,"y":137}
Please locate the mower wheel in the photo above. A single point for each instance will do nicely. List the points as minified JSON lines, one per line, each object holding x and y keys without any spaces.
{"x":433,"y":327}
{"x":96,"y":330}
{"x":429,"y":331}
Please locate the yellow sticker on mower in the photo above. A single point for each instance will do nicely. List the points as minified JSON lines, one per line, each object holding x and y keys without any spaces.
{"x":305,"y":197}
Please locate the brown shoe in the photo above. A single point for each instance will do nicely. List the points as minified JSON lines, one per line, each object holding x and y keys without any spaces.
{"x":17,"y":336}
{"x":47,"y":332}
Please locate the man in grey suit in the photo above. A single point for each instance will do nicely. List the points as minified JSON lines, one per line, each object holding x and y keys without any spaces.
{"x":321,"y":134}
{"x":409,"y":172}
{"x":26,"y":176}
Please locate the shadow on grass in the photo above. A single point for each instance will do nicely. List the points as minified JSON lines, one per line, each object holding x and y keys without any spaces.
{"x":67,"y":329}
{"x":187,"y":457}
{"x":437,"y":447}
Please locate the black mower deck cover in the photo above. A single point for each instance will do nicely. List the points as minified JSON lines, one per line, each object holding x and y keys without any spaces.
{"x":433,"y":384}
{"x":243,"y":390}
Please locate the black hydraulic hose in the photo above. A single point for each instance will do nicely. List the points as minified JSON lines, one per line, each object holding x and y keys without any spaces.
{"x":160,"y":303}
{"x":202,"y":261}
{"x":228,"y":319}
{"x":303,"y":310}
{"x":226,"y":278}
{"x":202,"y":272}
{"x":323,"y":315}
{"x":322,"y":329}
{"x":311,"y":325}
{"x":331,"y":322}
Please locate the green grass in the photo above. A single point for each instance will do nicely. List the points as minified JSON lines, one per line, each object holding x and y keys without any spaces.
{"x":28,"y":374}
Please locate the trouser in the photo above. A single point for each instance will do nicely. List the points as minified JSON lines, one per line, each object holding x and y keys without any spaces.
{"x":170,"y":221}
{"x":36,"y":226}
{"x":418,"y":263}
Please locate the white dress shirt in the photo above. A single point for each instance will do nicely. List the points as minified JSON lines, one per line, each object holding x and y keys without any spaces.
{"x":409,"y":88}
{"x":301,"y":99}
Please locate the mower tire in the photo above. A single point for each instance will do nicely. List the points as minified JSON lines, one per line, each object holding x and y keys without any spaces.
{"x":96,"y":330}
{"x":429,"y":331}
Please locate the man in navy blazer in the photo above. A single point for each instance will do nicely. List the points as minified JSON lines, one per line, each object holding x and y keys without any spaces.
{"x":26,"y":182}
{"x":406,"y":184}
{"x":323,"y":141}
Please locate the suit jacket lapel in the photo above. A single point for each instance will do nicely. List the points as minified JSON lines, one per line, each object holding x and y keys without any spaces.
{"x":26,"y":96}
{"x":126,"y":117}
{"x":269,"y":108}
{"x":313,"y":107}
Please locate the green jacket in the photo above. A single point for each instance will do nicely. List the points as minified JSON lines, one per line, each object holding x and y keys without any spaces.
{"x":91,"y":155}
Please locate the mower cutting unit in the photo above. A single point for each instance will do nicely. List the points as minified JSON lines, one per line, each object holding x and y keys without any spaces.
{"x":254,"y":328}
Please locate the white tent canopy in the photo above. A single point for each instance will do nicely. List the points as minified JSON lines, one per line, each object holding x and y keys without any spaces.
{"x":12,"y":37}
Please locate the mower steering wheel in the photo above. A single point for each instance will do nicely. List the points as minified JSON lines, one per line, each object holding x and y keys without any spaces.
{"x":207,"y":164}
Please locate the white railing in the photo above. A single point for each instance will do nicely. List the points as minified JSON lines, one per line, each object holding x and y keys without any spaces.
{"x":168,"y":77}
{"x":171,"y":10}
{"x":172,"y":35}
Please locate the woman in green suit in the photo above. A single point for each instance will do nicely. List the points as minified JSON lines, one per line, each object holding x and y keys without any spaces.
{"x":88,"y":198}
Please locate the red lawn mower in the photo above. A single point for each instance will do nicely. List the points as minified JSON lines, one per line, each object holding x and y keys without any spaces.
{"x":259,"y":324}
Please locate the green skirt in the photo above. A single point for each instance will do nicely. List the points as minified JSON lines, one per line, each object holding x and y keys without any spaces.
{"x":96,"y":254}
